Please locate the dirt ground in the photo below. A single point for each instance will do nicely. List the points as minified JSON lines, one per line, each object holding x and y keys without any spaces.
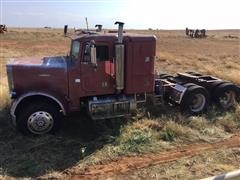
{"x":218,"y":55}
{"x":124,"y":165}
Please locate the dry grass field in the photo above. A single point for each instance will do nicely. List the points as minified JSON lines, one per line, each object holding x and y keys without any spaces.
{"x":83,"y":143}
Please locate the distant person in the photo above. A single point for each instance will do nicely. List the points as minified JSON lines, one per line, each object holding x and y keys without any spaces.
{"x":191,"y":33}
{"x":187,"y":32}
{"x":203,"y":33}
{"x":196,"y":33}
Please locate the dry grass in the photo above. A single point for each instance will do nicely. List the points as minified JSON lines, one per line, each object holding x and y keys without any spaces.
{"x":215,"y":55}
{"x":82,"y":143}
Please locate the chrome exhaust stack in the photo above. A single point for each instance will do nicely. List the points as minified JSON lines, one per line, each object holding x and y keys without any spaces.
{"x":119,"y":59}
{"x":120,"y":31}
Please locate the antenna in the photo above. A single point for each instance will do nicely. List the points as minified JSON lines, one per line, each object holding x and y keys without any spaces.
{"x":86,"y":23}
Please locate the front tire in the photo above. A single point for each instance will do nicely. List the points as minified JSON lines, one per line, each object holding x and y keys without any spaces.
{"x":39,"y":118}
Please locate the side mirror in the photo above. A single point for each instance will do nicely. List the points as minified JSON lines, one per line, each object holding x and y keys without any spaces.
{"x":93,"y":56}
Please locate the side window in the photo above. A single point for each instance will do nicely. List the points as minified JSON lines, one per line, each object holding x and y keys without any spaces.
{"x":102,"y":53}
{"x":75,"y":49}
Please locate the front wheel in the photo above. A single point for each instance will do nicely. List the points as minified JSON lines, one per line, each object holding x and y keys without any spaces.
{"x":195,"y":100}
{"x":39,"y":118}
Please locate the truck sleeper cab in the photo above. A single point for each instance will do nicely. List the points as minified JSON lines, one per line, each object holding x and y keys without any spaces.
{"x":108,"y":74}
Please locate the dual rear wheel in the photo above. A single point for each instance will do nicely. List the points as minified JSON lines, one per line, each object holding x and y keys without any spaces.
{"x":197,"y":99}
{"x":225,"y":95}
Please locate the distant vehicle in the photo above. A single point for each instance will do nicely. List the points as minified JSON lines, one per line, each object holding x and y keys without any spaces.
{"x":47,"y":27}
{"x":107,"y":75}
{"x":196,"y":33}
{"x":3,"y":28}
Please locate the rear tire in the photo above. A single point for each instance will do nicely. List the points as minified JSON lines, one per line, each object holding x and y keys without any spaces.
{"x":188,"y":85}
{"x":225,"y":95}
{"x":195,"y":101}
{"x":165,"y":76}
{"x":238,"y":95}
{"x":39,"y":118}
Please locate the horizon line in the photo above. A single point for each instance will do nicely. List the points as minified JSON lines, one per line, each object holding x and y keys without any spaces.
{"x":151,"y":29}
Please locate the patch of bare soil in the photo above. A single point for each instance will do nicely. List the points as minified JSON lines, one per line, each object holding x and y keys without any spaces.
{"x":126,"y":164}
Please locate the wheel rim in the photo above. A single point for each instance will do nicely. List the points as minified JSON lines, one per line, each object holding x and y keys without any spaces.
{"x":228,"y":99}
{"x":40,"y":122}
{"x":198,"y":103}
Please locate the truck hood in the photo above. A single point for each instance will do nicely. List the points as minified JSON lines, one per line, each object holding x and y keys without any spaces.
{"x":56,"y":61}
{"x":47,"y":75}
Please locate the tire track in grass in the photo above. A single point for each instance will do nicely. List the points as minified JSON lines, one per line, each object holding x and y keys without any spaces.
{"x":126,"y":164}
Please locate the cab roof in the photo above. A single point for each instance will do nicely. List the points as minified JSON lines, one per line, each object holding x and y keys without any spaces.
{"x":110,"y":36}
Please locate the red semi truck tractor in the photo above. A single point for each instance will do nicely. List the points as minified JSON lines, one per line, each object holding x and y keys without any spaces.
{"x":107,"y":74}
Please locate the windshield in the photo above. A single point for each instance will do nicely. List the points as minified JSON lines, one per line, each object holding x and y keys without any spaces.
{"x":75,"y":50}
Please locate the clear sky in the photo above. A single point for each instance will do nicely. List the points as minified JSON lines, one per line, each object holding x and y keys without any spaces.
{"x":137,"y":14}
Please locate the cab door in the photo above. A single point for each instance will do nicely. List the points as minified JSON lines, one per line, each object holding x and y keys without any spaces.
{"x":97,"y":79}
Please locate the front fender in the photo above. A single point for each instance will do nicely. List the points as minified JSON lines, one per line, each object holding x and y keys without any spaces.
{"x":17,"y":101}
